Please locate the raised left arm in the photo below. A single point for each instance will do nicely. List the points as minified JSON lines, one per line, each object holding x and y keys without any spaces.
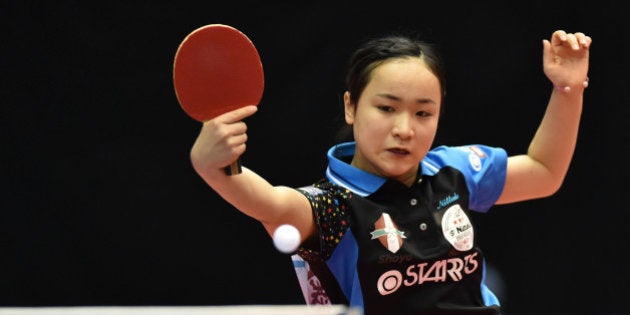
{"x":541,"y":171}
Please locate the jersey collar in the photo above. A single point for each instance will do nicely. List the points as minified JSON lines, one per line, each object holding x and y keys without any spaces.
{"x":341,"y":173}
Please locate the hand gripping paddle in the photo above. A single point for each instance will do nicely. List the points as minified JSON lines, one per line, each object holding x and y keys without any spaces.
{"x":217,"y":69}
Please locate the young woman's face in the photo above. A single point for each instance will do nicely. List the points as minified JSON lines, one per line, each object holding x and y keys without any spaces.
{"x":396,"y":118}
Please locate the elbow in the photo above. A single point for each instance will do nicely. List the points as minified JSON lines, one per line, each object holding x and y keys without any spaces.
{"x":552,"y":186}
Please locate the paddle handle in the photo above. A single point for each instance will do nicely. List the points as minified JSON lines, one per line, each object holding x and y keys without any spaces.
{"x":234,"y":168}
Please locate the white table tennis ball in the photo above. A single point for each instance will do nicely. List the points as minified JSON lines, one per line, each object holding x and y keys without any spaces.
{"x":286,"y":238}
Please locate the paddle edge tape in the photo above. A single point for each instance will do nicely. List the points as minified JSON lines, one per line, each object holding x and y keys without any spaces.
{"x":193,"y":84}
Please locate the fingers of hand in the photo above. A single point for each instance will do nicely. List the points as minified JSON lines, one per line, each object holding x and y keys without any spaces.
{"x":220,"y":143}
{"x":558,"y":37}
{"x":566,"y":60}
{"x":221,"y":140}
{"x":224,"y":132}
{"x":583,"y":39}
{"x":574,"y":40}
{"x":237,"y":114}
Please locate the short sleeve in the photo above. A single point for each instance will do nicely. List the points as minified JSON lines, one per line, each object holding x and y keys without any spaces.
{"x":484,"y":168}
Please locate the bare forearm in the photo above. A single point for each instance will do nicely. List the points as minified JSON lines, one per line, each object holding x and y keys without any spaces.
{"x":244,"y":191}
{"x":257,"y":198}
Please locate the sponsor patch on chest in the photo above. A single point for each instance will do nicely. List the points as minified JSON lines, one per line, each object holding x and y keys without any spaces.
{"x":457,"y":228}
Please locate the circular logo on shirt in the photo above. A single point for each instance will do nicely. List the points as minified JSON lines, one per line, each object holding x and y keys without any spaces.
{"x":475,"y":161}
{"x":457,"y":228}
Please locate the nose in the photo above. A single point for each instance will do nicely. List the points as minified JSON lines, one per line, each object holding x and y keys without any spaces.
{"x":403,"y":127}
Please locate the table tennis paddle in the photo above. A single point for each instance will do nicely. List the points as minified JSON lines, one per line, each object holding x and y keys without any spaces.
{"x":217,"y":69}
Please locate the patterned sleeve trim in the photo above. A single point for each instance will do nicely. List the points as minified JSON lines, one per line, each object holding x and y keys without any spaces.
{"x":329,"y":203}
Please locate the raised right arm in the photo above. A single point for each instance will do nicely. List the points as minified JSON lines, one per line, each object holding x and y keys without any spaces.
{"x":220,"y":142}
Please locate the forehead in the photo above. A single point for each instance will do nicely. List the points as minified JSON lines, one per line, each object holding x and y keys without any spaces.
{"x":404,"y":74}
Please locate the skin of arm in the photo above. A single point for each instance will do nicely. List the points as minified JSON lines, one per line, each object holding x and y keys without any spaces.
{"x":220,"y":142}
{"x":541,"y":171}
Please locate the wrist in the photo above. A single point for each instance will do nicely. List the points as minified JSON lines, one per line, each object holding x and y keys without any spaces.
{"x":568,"y":88}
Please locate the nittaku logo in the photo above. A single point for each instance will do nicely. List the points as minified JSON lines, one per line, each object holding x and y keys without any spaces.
{"x":447,"y":201}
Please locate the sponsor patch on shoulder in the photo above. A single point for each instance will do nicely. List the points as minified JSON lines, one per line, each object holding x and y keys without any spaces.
{"x":475,"y":149}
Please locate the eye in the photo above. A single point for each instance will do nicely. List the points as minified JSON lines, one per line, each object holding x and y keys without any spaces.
{"x":423,"y":113}
{"x":385,"y":108}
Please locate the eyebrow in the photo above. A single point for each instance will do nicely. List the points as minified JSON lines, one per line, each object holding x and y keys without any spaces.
{"x":396,"y":98}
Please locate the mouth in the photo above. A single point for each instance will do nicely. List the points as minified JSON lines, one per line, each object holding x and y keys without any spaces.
{"x":399,"y":151}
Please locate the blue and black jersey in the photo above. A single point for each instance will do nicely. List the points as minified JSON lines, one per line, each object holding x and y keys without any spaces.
{"x":392,"y":249}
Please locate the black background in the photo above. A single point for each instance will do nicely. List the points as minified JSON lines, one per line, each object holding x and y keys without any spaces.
{"x":101,"y":206}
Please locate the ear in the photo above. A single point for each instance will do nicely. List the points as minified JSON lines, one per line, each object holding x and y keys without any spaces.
{"x":349,"y":108}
